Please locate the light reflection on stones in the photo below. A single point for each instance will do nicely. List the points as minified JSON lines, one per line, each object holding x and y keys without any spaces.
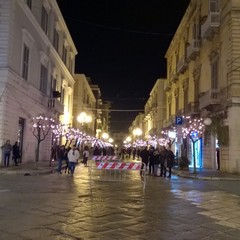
{"x":222,"y":207}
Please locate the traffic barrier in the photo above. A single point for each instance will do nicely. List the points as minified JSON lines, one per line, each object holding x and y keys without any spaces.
{"x":116,"y":171}
{"x":104,"y":158}
{"x":119,"y":166}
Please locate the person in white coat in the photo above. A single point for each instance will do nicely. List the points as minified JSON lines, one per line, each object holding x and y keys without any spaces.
{"x":73,"y":156}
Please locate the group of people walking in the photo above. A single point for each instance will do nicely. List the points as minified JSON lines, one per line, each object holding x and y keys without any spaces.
{"x":70,"y":156}
{"x":155,"y":158}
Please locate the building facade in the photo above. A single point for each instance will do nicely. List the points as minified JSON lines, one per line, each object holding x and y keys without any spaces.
{"x":84,"y":102}
{"x":203,"y":63}
{"x":155,"y":110}
{"x":37,"y":58}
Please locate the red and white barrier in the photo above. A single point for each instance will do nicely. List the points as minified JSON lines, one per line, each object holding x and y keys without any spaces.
{"x":116,"y":171}
{"x":119,"y":166}
{"x":104,"y":158}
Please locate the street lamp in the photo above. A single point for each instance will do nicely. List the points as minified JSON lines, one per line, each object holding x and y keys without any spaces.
{"x":105,"y":136}
{"x":207,"y":121}
{"x":137,"y":132}
{"x":84,"y":118}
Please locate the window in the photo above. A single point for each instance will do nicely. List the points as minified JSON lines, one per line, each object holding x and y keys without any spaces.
{"x":169,"y":109}
{"x":214,"y":5}
{"x":43,"y":79}
{"x":64,"y":54}
{"x":177,"y":102}
{"x":55,"y":39}
{"x":196,"y":30}
{"x":25,"y":64}
{"x":70,"y":65}
{"x":214,"y":74}
{"x":29,"y":3}
{"x":196,"y":89}
{"x":185,"y":97}
{"x":169,"y":103}
{"x":44,"y":20}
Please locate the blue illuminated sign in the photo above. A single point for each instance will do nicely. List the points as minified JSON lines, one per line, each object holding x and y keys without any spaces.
{"x":194,"y":134}
{"x":179,"y":120}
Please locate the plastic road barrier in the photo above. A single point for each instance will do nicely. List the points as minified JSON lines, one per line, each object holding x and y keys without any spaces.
{"x":104,"y":158}
{"x":116,"y":171}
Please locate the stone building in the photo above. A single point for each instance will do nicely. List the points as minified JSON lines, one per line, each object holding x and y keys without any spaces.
{"x":84,"y":103}
{"x":203,"y":78}
{"x":37,"y":58}
{"x":155,"y":110}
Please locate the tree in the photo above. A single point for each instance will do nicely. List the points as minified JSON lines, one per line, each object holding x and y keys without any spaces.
{"x":41,"y":127}
{"x":168,"y":136}
{"x":194,"y":129}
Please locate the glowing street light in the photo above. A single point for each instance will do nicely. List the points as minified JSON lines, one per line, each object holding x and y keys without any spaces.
{"x":137,"y":132}
{"x":105,"y":136}
{"x":84,"y":118}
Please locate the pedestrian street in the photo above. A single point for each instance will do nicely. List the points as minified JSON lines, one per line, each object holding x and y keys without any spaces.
{"x":58,"y":206}
{"x":218,"y":205}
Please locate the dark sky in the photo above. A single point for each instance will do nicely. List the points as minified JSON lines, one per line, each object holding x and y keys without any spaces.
{"x":121,"y":46}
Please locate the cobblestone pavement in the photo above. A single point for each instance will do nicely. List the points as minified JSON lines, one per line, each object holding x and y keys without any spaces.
{"x":57,"y":206}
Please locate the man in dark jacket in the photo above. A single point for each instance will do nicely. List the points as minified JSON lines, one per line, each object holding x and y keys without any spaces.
{"x":170,"y":161}
{"x":162,"y":157}
{"x":60,"y":157}
{"x":144,"y":154}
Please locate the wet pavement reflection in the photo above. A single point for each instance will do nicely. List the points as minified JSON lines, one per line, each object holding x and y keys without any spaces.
{"x":57,"y":206}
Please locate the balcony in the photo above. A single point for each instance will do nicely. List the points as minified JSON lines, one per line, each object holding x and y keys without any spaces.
{"x":182,"y":65}
{"x":191,"y":109}
{"x":211,"y":25}
{"x":209,"y":99}
{"x":55,"y":105}
{"x":193,"y":49}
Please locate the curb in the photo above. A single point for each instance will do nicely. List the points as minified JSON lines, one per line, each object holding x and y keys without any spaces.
{"x":28,"y":172}
{"x":209,"y":178}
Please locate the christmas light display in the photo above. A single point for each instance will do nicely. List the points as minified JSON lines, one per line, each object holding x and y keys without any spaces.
{"x":194,"y":129}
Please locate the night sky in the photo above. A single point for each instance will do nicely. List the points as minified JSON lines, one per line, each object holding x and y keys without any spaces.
{"x":121,"y":46}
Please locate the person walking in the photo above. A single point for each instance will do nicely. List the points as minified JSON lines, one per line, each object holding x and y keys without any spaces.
{"x":60,"y":155}
{"x":7,"y":149}
{"x":170,"y":161}
{"x":15,"y":153}
{"x":134,"y":152}
{"x":138,"y":153}
{"x":151,"y":161}
{"x":156,"y":161}
{"x":144,"y":154}
{"x":163,"y":161}
{"x":85,"y":155}
{"x":73,"y":156}
{"x":67,"y":170}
